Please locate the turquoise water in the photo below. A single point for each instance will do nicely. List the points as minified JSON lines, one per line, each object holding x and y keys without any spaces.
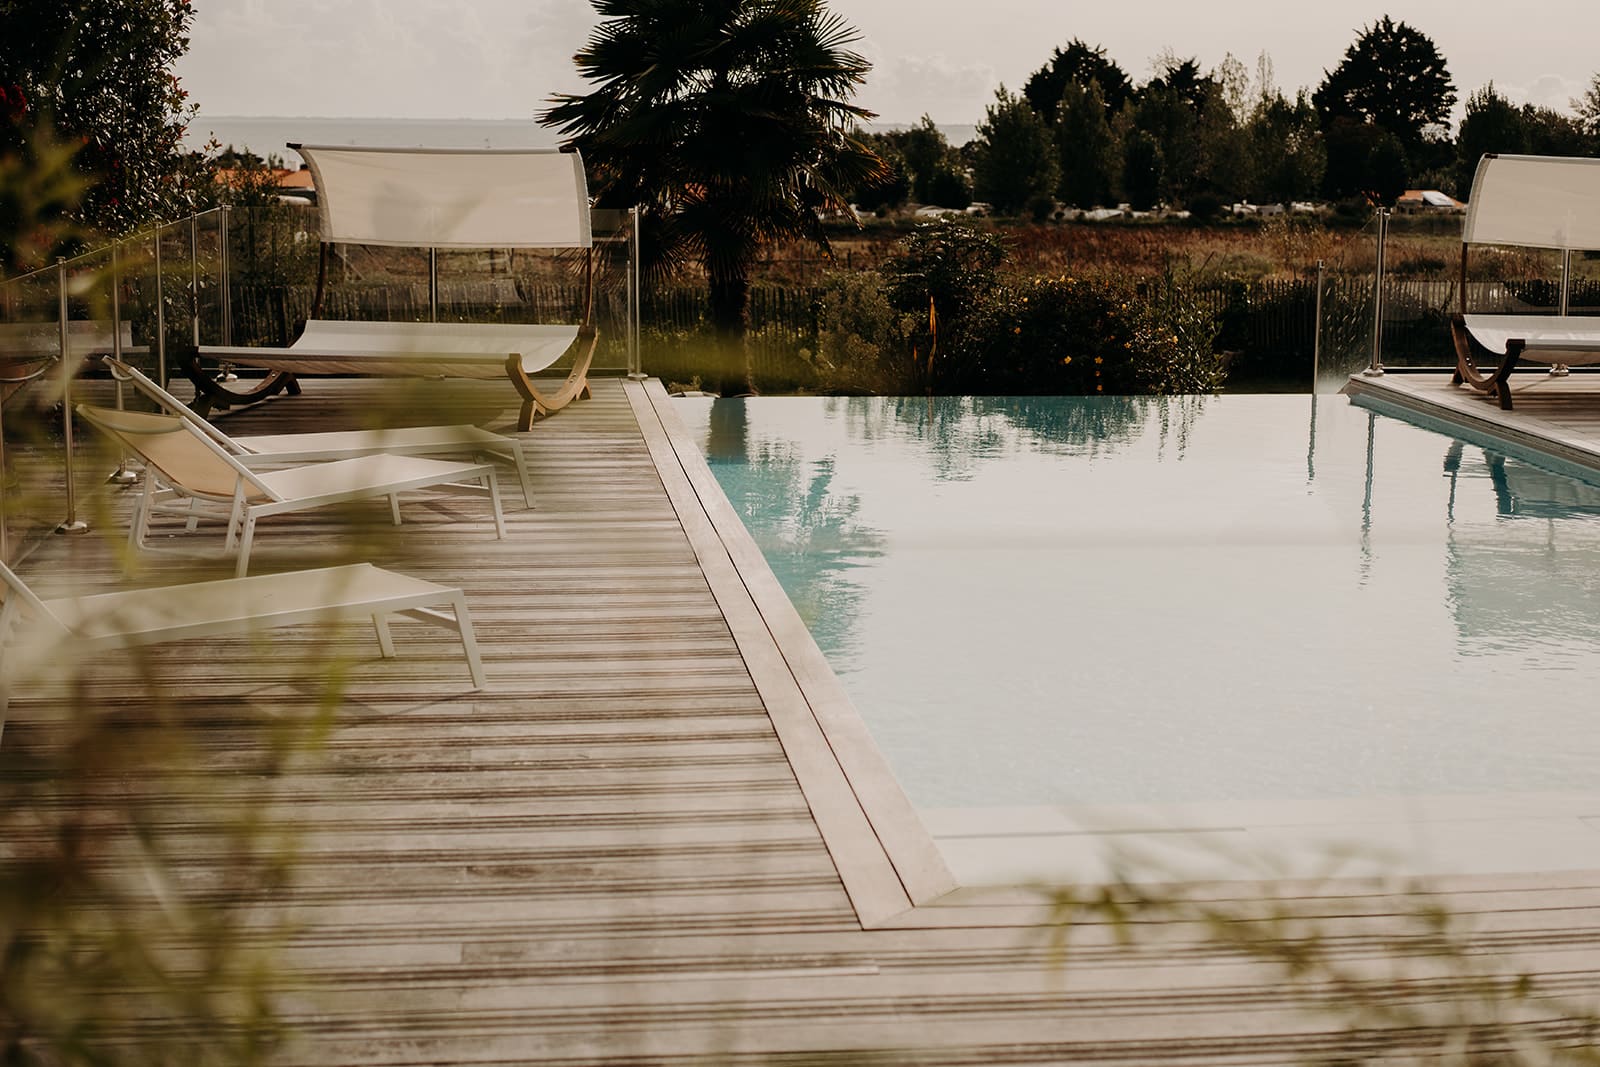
{"x":1115,"y":600}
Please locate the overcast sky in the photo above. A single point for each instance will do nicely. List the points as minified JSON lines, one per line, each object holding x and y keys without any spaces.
{"x":494,"y":59}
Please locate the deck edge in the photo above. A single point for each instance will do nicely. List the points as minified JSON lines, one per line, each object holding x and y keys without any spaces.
{"x":887,"y":861}
{"x":1531,"y":437}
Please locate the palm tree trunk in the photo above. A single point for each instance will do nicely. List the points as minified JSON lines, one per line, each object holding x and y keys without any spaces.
{"x":730,"y":305}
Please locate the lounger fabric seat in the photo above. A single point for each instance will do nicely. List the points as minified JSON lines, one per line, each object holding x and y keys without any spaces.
{"x":1570,"y":339}
{"x":199,"y":474}
{"x":1560,"y":340}
{"x":34,"y":630}
{"x":342,"y":444}
{"x":422,"y":349}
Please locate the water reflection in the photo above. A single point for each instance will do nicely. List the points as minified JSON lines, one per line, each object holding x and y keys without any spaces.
{"x":811,"y":532}
{"x":959,"y":435}
{"x":1040,"y":600}
{"x":1532,"y":573}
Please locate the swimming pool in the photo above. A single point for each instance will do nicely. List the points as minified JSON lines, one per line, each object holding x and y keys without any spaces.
{"x":1210,"y":600}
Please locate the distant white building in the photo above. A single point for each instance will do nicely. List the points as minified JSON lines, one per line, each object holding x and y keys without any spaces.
{"x":1428,"y":200}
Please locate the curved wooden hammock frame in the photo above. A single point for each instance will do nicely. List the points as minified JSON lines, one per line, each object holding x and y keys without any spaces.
{"x":213,"y":391}
{"x":536,"y":404}
{"x":13,"y":376}
{"x":1496,"y":384}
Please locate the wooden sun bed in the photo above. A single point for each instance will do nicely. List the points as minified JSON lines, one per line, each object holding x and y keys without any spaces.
{"x":1559,"y":340}
{"x":434,"y":198}
{"x":421,"y":349}
{"x":1550,"y":202}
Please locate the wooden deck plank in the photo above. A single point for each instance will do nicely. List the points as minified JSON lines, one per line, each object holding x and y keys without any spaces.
{"x":608,"y":857}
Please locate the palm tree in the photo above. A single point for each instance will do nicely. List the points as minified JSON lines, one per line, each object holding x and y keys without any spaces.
{"x":728,"y":122}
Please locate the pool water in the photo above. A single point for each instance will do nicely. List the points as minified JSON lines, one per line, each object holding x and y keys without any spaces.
{"x":1039,"y":601}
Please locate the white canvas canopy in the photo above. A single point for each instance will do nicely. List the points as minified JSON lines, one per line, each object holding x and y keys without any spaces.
{"x":450,"y":198}
{"x":1535,"y":202}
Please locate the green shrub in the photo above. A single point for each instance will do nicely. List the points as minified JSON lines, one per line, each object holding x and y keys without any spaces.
{"x":949,"y":262}
{"x":1047,"y":335}
{"x":1174,"y":341}
{"x":1070,"y":335}
{"x":863,"y":344}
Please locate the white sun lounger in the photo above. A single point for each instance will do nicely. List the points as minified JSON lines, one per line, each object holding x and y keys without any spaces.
{"x":78,"y":625}
{"x":432,"y":350}
{"x":342,"y":444}
{"x":205,"y":477}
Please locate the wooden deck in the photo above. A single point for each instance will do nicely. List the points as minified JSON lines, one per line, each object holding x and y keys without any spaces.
{"x":662,"y":836}
{"x":1555,"y":418}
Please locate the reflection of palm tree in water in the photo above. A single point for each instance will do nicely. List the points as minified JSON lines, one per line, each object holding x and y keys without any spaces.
{"x":727,"y":433}
{"x":808,"y":533}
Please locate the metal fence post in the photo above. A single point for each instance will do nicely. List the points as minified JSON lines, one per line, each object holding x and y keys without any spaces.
{"x":1560,"y":370}
{"x":1316,"y":334}
{"x":1375,"y":367}
{"x":161,"y":317}
{"x":1566,"y":279}
{"x":226,"y":297}
{"x":635,"y":296}
{"x":433,"y":285}
{"x":122,"y":475}
{"x":71,"y":524}
{"x":194,"y":278}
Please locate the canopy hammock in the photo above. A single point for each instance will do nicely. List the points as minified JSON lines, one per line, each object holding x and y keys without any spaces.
{"x":1532,"y":202}
{"x":433,"y":199}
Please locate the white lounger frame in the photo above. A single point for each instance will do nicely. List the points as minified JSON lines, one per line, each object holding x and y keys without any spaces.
{"x":258,"y":494}
{"x":138,"y":617}
{"x":344,"y":444}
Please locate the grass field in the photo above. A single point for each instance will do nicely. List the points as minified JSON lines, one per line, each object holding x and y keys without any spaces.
{"x":1247,"y":250}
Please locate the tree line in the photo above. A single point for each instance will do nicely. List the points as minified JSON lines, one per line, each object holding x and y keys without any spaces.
{"x":1081,"y":133}
{"x":730,"y":123}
